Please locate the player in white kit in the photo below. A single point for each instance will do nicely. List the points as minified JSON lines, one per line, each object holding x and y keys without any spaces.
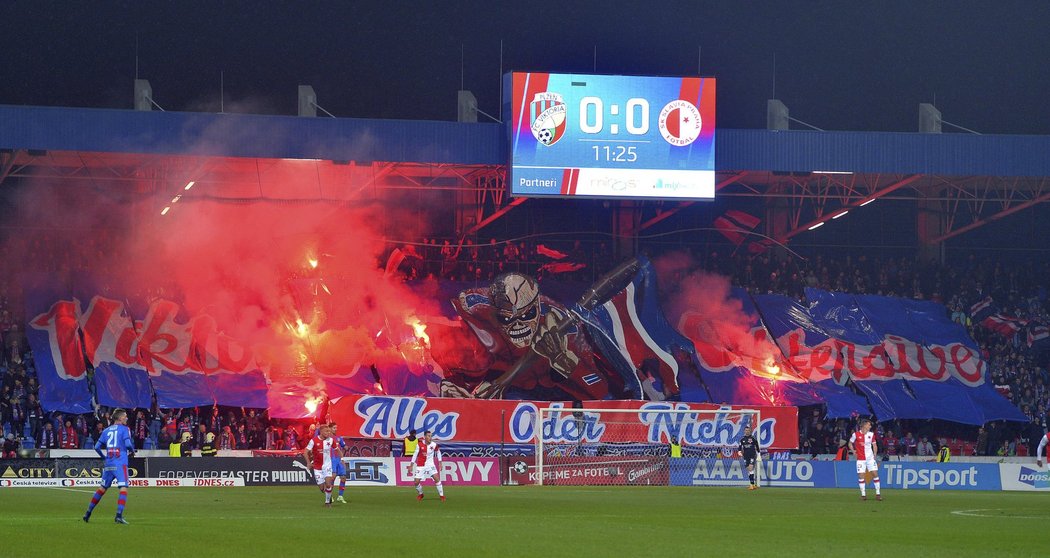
{"x":864,"y":445}
{"x":319,"y":453}
{"x":1039,"y":451}
{"x":427,"y":463}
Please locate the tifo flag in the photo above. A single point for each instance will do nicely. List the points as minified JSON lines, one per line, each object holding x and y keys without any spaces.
{"x":759,"y":246}
{"x":393,"y":262}
{"x":734,"y":225}
{"x":1003,"y":325}
{"x":982,"y":309}
{"x":550,"y":252}
{"x":1038,"y":335}
{"x":631,"y":331}
{"x":562,"y":267}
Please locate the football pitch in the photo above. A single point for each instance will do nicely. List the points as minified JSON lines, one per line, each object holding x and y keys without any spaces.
{"x":525,"y":521}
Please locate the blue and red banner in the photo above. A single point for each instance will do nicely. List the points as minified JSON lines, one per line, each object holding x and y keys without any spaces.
{"x":907,"y":358}
{"x":58,"y":354}
{"x":185,"y":362}
{"x":630,"y":329}
{"x":859,"y":355}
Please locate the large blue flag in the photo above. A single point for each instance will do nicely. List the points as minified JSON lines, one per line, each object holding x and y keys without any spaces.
{"x":53,"y":335}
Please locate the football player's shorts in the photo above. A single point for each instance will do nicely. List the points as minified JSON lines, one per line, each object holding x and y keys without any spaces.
{"x":339,"y":468}
{"x":866,"y":465}
{"x":115,"y":474}
{"x":424,"y":472}
{"x":323,"y":473}
{"x":749,"y":461}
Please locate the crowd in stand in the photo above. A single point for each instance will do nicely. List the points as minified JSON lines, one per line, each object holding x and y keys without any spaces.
{"x":26,"y":424}
{"x":1019,"y":372}
{"x":466,"y":261}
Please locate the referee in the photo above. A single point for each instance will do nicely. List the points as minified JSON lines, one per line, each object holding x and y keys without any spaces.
{"x":408,"y":449}
{"x":749,"y":451}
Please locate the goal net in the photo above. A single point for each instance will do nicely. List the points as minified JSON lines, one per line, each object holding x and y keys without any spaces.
{"x":634,"y":446}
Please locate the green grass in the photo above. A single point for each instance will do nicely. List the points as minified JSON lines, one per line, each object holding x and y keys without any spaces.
{"x":525,"y":521}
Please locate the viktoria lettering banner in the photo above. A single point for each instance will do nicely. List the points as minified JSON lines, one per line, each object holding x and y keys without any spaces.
{"x":189,"y":362}
{"x":905,"y":357}
{"x":476,"y":420}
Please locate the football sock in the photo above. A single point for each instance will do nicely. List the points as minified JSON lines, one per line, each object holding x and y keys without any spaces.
{"x":419,"y":488}
{"x":863,"y":488}
{"x":878,"y":486}
{"x":441,"y":489}
{"x":342,"y":486}
{"x":121,"y":500}
{"x":328,"y":495}
{"x":751,"y":477}
{"x":95,"y":499}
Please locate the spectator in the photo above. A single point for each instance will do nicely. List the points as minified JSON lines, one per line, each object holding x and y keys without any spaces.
{"x":909,"y":444}
{"x":272,"y":438}
{"x":11,"y":446}
{"x":48,"y":437}
{"x":35,"y":416}
{"x":68,"y":438}
{"x":227,"y":441}
{"x":924,"y":448}
{"x":202,"y":433}
{"x":18,"y":415}
{"x":890,"y":442}
{"x":139,"y":429}
{"x":982,"y":441}
{"x":818,"y":440}
{"x":165,"y":438}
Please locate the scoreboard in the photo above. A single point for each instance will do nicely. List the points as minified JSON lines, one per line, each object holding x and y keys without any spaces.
{"x":597,"y":136}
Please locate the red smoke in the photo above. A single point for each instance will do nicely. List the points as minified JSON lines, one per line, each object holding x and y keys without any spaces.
{"x":702,"y":308}
{"x":252,"y":268}
{"x":245,"y":263}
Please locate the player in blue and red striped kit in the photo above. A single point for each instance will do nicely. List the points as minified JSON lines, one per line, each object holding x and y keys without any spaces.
{"x":338,"y":467}
{"x":116,"y":440}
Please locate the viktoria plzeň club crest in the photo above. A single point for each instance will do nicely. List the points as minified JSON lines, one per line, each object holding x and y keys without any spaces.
{"x":547,"y":114}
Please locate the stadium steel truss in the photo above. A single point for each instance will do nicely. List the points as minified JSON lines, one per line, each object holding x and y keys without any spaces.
{"x":804,"y":179}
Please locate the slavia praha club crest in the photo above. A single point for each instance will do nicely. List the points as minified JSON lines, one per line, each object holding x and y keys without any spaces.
{"x":680,"y":123}
{"x":547,"y":112}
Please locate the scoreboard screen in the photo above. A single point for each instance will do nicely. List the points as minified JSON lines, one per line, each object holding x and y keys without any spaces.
{"x":611,"y":136}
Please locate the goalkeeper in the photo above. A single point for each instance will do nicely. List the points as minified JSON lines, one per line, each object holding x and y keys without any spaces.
{"x":749,"y":452}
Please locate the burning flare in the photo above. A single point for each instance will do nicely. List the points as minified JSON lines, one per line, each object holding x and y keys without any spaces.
{"x":300,"y":329}
{"x":419,"y":329}
{"x":771,"y":368}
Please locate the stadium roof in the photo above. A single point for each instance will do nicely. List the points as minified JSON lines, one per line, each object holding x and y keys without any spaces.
{"x":971,"y":179}
{"x":366,"y":141}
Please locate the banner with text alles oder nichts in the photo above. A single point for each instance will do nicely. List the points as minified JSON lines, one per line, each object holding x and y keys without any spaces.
{"x":512,"y":422}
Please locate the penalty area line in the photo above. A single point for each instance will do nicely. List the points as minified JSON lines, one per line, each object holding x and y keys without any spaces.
{"x":978,"y":513}
{"x":82,"y":490}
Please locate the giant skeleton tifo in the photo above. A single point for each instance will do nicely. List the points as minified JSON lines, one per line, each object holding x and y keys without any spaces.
{"x":536,"y":348}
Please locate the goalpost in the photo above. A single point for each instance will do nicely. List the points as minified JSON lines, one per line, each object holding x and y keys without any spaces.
{"x":614,"y":447}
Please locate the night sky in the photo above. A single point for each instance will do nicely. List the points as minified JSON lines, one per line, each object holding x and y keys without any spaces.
{"x":842,"y":66}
